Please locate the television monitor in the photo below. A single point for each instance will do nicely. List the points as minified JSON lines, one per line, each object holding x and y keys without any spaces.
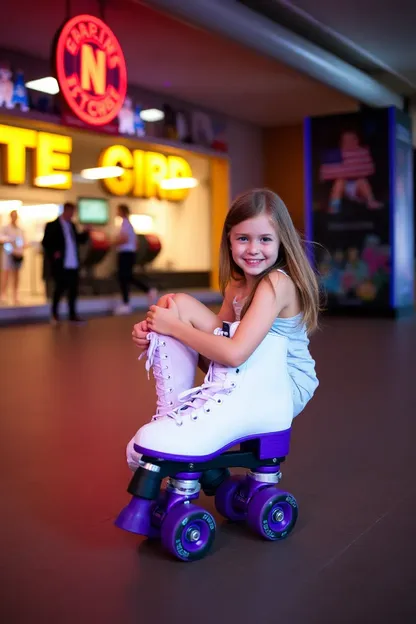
{"x":93,"y":211}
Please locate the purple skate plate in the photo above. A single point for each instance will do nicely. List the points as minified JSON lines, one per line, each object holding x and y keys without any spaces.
{"x":271,"y":445}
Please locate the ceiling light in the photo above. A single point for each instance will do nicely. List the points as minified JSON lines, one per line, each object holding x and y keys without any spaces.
{"x":100,"y":173}
{"x":47,"y":85}
{"x":51,"y":180}
{"x":173,"y":184}
{"x":152,"y":114}
{"x":9,"y":204}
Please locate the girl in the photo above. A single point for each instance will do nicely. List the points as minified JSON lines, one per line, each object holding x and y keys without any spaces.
{"x":269,"y":288}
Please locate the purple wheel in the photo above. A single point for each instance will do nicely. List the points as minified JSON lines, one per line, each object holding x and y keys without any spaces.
{"x":225,"y":498}
{"x":272,"y":513}
{"x":188,"y":532}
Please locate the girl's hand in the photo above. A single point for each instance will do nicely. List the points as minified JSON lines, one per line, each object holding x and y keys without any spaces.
{"x":139,"y":335}
{"x":164,"y":300}
{"x":163,"y":320}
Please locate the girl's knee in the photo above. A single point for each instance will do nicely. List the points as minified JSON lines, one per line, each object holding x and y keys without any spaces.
{"x":179,"y":299}
{"x":184,"y":299}
{"x":187,"y":305}
{"x":196,"y":313}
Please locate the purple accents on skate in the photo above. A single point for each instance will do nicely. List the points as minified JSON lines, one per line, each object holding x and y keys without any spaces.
{"x":248,"y":489}
{"x":144,"y":517}
{"x":165,"y":503}
{"x":167,"y":500}
{"x":135,"y":517}
{"x":272,"y":513}
{"x":188,"y":475}
{"x":274,"y":444}
{"x":227,"y":499}
{"x":270,"y":445}
{"x":276,"y":525}
{"x":203,"y":530}
{"x":234,"y":497}
{"x":268,"y":469}
{"x":188,"y":532}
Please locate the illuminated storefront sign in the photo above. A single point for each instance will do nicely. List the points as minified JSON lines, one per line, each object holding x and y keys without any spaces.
{"x":143,"y":172}
{"x":91,"y":70}
{"x":142,"y":175}
{"x":52,"y":157}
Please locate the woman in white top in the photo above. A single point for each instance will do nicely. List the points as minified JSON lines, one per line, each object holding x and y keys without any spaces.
{"x":126,"y":246}
{"x":13,"y":240}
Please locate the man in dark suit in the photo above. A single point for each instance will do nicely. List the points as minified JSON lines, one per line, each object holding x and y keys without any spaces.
{"x":61,"y":242}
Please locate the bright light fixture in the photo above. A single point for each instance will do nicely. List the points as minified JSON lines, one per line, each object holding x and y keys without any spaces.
{"x":51,"y":180}
{"x":173,"y":184}
{"x":100,"y":173}
{"x":152,"y":114}
{"x":39,"y":211}
{"x":7,"y":205}
{"x":47,"y":85}
{"x":142,"y":223}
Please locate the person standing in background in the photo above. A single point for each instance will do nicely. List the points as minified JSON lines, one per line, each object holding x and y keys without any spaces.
{"x":13,"y":239}
{"x":61,"y":242}
{"x":126,"y":247}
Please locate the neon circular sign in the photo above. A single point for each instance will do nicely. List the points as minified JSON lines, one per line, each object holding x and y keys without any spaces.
{"x":91,"y":69}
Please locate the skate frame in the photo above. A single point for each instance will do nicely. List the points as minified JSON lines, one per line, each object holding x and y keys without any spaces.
{"x":186,"y":530}
{"x":147,"y":479}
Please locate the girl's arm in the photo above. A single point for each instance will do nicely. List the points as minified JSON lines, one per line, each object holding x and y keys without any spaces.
{"x":269,"y":300}
{"x":226,"y":313}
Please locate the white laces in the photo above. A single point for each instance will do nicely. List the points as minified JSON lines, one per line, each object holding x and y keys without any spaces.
{"x":220,"y":380}
{"x":158,"y":360}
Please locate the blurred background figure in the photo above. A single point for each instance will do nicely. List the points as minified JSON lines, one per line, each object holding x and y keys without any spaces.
{"x":126,"y":246}
{"x":61,"y":246}
{"x":12,"y":237}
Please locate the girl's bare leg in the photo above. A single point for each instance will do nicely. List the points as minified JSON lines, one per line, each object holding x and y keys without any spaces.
{"x":196,"y":313}
{"x":199,"y":316}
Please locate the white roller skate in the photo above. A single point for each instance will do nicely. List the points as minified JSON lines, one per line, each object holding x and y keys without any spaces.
{"x":233,"y":405}
{"x":174,"y":366}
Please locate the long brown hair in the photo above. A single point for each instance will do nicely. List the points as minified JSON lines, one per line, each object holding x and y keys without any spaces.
{"x":291,"y":258}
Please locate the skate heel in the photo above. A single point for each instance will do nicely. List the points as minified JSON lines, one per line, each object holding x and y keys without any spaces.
{"x":271,"y":445}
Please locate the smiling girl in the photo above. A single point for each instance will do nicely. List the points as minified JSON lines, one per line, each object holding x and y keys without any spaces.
{"x":271,"y":298}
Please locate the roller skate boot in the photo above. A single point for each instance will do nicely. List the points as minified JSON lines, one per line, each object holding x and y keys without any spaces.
{"x":174,"y":366}
{"x":232,"y":405}
{"x":249,"y":406}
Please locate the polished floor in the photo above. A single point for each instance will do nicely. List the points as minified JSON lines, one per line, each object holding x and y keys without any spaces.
{"x":69,"y":401}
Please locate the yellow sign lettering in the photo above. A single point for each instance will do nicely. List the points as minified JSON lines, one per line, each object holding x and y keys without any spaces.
{"x":93,"y":70}
{"x":178,"y":168}
{"x":156,"y":170}
{"x":15,"y":141}
{"x":143,"y":172}
{"x":118,"y":155}
{"x":53,"y":158}
{"x":138,"y":156}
